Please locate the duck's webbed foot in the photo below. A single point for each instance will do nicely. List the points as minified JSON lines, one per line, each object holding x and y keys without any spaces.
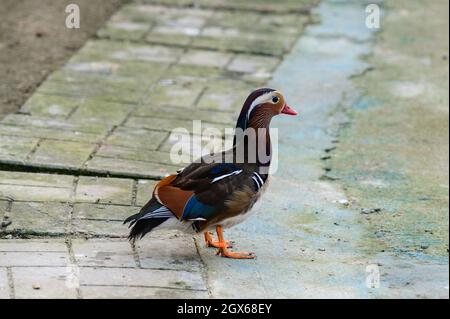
{"x":223,"y":249}
{"x":210,"y":242}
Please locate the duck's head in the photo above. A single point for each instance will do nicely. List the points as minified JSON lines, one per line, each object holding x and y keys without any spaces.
{"x":260,"y":106}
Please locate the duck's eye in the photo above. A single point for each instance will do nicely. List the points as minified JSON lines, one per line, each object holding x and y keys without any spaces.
{"x":275,"y":99}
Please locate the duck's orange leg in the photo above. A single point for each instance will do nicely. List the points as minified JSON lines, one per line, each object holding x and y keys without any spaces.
{"x":210,"y":242}
{"x":224,"y":252}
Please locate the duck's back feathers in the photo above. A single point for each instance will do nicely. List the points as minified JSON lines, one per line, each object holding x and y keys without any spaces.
{"x":201,"y":194}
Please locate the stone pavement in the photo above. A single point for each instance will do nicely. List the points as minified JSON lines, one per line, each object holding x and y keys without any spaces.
{"x":86,"y":149}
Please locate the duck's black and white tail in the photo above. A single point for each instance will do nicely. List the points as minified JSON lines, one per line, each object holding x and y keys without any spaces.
{"x":152,"y":215}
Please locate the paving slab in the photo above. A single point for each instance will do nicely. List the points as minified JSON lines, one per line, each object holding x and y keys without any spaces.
{"x":130,"y":168}
{"x":31,"y":258}
{"x":103,"y":212}
{"x":206,"y":58}
{"x":108,"y":91}
{"x":119,"y":51}
{"x":180,"y":255}
{"x":121,"y":292}
{"x":144,"y":191}
{"x":134,"y":154}
{"x":4,"y":204}
{"x":33,"y":245}
{"x":4,"y":285}
{"x":16,"y":148}
{"x":140,"y":138}
{"x":176,"y":94}
{"x":103,"y":253}
{"x":35,"y":187}
{"x":50,"y":133}
{"x":50,"y":106}
{"x":42,"y":282}
{"x":62,"y":154}
{"x":141,"y":278}
{"x":98,"y":228}
{"x":42,"y":218}
{"x":170,"y":112}
{"x":104,"y":190}
{"x":96,"y":111}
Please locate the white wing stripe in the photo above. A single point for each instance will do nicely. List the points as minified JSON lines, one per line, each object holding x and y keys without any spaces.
{"x":259,"y":178}
{"x":150,"y":215}
{"x":158,"y":213}
{"x":226,"y":175}
{"x":257,"y":182}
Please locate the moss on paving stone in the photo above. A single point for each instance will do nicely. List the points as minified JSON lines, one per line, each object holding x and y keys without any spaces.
{"x":226,"y":31}
{"x":98,"y":228}
{"x":144,"y":190}
{"x":38,"y":218}
{"x":130,"y":168}
{"x":393,"y":159}
{"x":179,"y":74}
{"x":167,"y":124}
{"x":136,"y":138}
{"x":170,"y":112}
{"x":55,"y":124}
{"x":124,"y":30}
{"x":115,"y":92}
{"x":253,"y":64}
{"x":11,"y":131}
{"x":206,"y":58}
{"x":102,"y":66}
{"x":220,"y":97}
{"x":179,"y":95}
{"x":126,"y":51}
{"x":63,"y":154}
{"x":50,"y":106}
{"x":104,"y":190}
{"x":135,"y":154}
{"x":35,"y":193}
{"x":3,"y":205}
{"x":103,"y":212}
{"x":111,"y":113}
{"x":31,"y":179}
{"x":16,"y":148}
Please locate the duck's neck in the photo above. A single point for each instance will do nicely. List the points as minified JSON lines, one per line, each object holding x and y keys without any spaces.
{"x":253,"y":139}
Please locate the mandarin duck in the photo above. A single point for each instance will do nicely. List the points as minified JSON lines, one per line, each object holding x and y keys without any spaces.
{"x":219,"y":190}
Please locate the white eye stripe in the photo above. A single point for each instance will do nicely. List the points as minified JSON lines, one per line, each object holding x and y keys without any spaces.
{"x":265,"y":98}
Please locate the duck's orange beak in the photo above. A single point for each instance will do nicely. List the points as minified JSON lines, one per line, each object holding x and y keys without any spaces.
{"x":288,"y":110}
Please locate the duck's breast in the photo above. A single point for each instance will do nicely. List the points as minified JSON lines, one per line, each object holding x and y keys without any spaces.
{"x":242,"y":204}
